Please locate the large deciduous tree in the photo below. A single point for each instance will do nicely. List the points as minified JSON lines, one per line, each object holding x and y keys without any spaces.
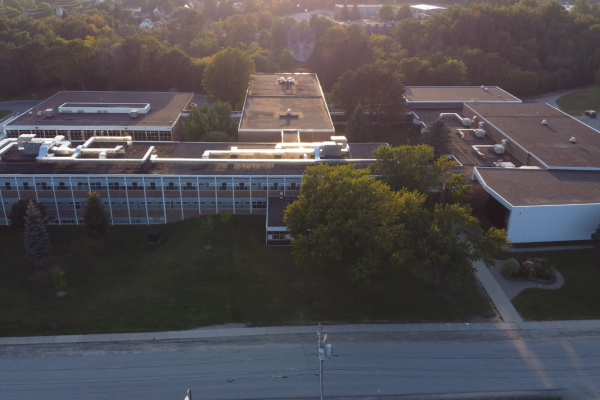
{"x":201,"y":121}
{"x":378,"y":87}
{"x":227,"y":76}
{"x":444,"y":250}
{"x":357,"y":128}
{"x":343,"y":218}
{"x":410,"y":167}
{"x":386,"y":13}
{"x":94,"y":217}
{"x":37,"y":241}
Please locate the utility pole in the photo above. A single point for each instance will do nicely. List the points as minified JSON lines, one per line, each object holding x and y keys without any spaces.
{"x":324,"y":350}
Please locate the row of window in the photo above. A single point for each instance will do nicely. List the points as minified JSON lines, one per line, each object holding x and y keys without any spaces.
{"x":152,"y":205}
{"x":241,"y":186}
{"x":83,"y":135}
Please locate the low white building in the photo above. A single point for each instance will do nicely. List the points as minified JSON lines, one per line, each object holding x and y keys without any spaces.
{"x":423,"y":11}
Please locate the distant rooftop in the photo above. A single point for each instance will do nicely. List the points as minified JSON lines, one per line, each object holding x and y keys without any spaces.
{"x":426,"y":7}
{"x":268,"y":100}
{"x":526,"y":187}
{"x":550,"y":142}
{"x":457,"y":94}
{"x":165,"y":109}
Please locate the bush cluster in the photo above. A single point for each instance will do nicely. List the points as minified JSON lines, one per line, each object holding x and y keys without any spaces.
{"x":537,"y":268}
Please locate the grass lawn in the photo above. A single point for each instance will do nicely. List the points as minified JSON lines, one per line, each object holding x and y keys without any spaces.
{"x":5,"y":113}
{"x":576,"y":103}
{"x":577,"y":299}
{"x":130,"y":286}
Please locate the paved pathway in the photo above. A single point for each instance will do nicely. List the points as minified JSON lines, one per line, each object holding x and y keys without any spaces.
{"x":501,"y":301}
{"x":513,"y":288}
{"x":551,"y":99}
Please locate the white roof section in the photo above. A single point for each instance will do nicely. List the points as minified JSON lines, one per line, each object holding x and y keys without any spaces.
{"x":426,"y":7}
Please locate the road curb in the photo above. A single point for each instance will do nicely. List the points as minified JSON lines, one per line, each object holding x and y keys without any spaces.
{"x":298,"y":330}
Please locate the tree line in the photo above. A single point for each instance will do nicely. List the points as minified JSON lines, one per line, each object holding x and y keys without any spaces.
{"x":527,"y":47}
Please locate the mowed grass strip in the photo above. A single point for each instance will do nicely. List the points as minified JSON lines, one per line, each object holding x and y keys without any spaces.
{"x":127,"y":285}
{"x":576,"y":103}
{"x":577,"y":299}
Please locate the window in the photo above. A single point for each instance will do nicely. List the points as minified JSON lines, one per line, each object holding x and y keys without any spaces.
{"x":62,"y":186}
{"x":223,"y":186}
{"x":134,"y":186}
{"x":171,"y":186}
{"x":293,"y":186}
{"x":114,"y":186}
{"x":242,"y":186}
{"x":152,"y":185}
{"x":7,"y":186}
{"x":259,"y":204}
{"x":278,"y":235}
{"x":188,"y":186}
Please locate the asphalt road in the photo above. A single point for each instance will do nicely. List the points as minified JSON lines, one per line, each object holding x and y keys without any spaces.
{"x":551,"y":99}
{"x":286,"y":366}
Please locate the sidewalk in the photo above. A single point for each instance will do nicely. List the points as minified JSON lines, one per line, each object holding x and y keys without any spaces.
{"x":504,"y":306}
{"x":296,"y":330}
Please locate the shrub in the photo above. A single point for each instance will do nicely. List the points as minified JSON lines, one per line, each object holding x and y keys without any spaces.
{"x":542,"y":270}
{"x":511,"y":268}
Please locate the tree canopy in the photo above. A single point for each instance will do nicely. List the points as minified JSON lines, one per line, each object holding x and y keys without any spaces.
{"x":37,"y":241}
{"x":345,"y":220}
{"x":94,"y":217}
{"x":227,"y":75}
{"x":437,"y":135}
{"x":204,"y":121}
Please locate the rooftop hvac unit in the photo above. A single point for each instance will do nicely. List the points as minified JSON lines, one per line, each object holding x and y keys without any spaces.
{"x":479,"y":133}
{"x":499,"y":149}
{"x":573,"y":140}
{"x":466,"y":122}
{"x":544,"y":122}
{"x":49,"y":112}
{"x":133,"y":113}
{"x":481,"y":125}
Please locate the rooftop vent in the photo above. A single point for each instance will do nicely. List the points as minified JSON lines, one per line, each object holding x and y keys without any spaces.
{"x":102,"y":155}
{"x":133,"y":113}
{"x":544,"y":122}
{"x":485,"y":89}
{"x":49,"y":112}
{"x":573,"y":140}
{"x":289,"y":111}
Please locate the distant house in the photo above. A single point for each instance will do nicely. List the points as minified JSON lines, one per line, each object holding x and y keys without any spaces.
{"x":146,"y":24}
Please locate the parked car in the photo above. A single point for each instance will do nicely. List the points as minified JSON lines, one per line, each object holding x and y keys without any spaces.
{"x":591,"y":113}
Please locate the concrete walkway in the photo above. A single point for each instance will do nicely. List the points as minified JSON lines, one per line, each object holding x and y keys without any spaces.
{"x":505,"y":308}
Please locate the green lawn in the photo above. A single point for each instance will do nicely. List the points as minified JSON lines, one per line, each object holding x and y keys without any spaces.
{"x":576,"y":103}
{"x":578,"y":299}
{"x":130,"y":286}
{"x":5,"y":113}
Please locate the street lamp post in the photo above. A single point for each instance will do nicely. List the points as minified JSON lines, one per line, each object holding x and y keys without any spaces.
{"x":324,"y":350}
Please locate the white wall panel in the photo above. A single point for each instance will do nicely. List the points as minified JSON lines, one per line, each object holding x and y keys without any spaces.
{"x":553,"y":223}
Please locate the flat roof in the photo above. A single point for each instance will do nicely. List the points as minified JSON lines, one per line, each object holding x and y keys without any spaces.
{"x":276,"y":210}
{"x":426,"y":7}
{"x":165,"y":109}
{"x":550,"y":143}
{"x":456,"y":94}
{"x":531,"y":187}
{"x":267,"y":102}
{"x":16,"y":162}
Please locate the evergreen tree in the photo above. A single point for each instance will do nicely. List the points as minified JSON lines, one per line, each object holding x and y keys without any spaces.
{"x":344,"y":14}
{"x":355,"y":14}
{"x":19,"y":210}
{"x":37,"y":242}
{"x":437,"y":135}
{"x":94,"y":217}
{"x":357,"y":129}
